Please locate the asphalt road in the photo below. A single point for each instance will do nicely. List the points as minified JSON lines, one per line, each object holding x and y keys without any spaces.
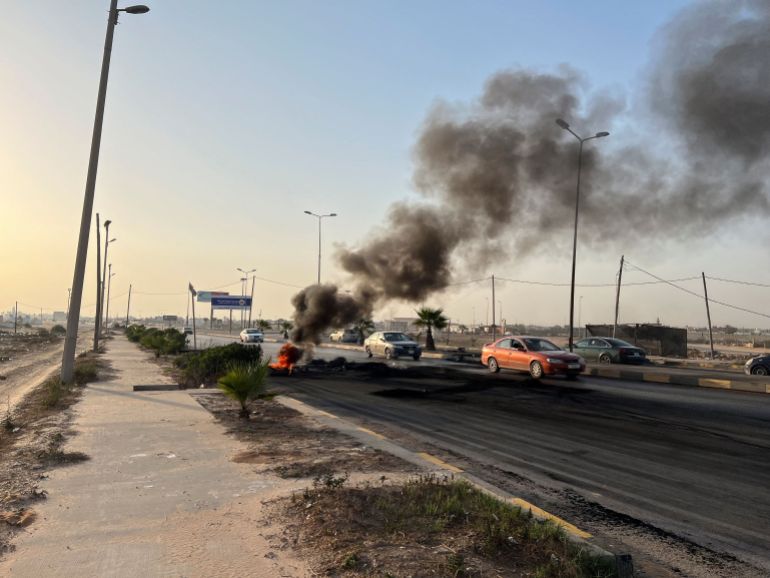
{"x":678,"y":463}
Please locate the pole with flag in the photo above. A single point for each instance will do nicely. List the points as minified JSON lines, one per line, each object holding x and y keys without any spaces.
{"x":193,"y":293}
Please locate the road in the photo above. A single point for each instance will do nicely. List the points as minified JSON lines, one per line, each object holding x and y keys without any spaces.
{"x":669,"y":468}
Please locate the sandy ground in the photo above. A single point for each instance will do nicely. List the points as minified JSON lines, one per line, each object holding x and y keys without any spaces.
{"x":159,"y":495}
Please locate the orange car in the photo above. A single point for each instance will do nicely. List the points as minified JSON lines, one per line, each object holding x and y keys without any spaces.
{"x":535,"y":355}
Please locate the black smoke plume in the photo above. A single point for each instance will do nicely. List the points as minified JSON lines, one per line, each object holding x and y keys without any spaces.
{"x":497,"y":176}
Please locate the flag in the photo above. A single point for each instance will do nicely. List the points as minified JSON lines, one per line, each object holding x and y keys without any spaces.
{"x":192,"y":289}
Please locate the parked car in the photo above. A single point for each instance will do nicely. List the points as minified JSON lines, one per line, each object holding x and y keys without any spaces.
{"x":252,"y":336}
{"x":187,"y":330}
{"x":535,"y":355}
{"x":392,"y":344}
{"x":344,"y":336}
{"x":609,"y":350}
{"x":758,"y":365}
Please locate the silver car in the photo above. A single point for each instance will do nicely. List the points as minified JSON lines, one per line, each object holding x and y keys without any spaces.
{"x":252,"y":336}
{"x":392,"y":344}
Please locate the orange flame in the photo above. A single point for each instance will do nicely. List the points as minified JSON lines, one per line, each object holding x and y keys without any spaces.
{"x":288,"y":356}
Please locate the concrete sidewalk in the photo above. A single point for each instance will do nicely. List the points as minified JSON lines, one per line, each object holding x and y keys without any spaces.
{"x":159,"y":496}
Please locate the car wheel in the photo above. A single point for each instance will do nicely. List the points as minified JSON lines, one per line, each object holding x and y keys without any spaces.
{"x":759,"y":370}
{"x":492,"y":365}
{"x":368,"y":351}
{"x":605,"y":359}
{"x":389,"y":353}
{"x":536,"y":370}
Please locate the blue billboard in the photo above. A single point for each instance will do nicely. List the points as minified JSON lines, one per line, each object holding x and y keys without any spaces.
{"x":231,"y":302}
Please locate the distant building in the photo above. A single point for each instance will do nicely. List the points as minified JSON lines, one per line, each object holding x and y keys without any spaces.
{"x":402,"y":324}
{"x":59,"y":316}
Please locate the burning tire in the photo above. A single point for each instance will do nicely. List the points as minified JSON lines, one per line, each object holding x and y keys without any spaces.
{"x":368,"y":352}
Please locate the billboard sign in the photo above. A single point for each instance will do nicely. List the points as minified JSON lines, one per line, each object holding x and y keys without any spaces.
{"x":231,"y":302}
{"x":205,"y":296}
{"x":170,"y":318}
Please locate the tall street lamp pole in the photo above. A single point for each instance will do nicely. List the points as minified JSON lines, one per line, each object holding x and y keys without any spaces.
{"x":70,"y":342}
{"x":319,"y":217}
{"x":581,"y":140}
{"x":107,"y":242}
{"x":244,"y":285}
{"x":107,"y":305}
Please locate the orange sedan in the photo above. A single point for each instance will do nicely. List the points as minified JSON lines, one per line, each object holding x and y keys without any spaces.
{"x":535,"y":355}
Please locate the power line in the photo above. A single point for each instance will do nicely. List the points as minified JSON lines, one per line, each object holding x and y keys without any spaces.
{"x":552,"y":284}
{"x":751,"y":283}
{"x":699,"y":296}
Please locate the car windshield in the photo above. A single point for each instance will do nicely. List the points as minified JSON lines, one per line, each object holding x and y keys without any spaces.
{"x":253,"y":331}
{"x":392,"y":337}
{"x":618,"y":342}
{"x":540,"y":345}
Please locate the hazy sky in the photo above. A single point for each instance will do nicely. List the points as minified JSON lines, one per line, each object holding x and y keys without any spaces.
{"x":225,"y":120}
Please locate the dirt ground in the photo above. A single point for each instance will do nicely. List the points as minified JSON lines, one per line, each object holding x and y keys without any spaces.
{"x":26,"y":359}
{"x":338,"y":522}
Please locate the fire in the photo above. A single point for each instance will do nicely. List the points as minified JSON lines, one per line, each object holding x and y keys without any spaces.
{"x":288,"y":356}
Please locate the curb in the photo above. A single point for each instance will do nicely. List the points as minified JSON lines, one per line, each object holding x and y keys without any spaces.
{"x":676,"y":379}
{"x":377,"y":441}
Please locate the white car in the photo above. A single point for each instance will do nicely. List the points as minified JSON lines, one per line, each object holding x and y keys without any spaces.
{"x":392,"y":344}
{"x":344,"y":336}
{"x":252,"y":336}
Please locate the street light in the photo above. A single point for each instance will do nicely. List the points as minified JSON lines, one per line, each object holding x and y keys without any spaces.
{"x":70,"y":342}
{"x":107,"y":311}
{"x":581,"y":140}
{"x":319,"y":217}
{"x":245,"y":281}
{"x":107,"y":242}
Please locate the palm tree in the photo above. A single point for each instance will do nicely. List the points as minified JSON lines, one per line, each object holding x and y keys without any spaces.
{"x":430,"y":318}
{"x":263,"y":325}
{"x":244,"y":382}
{"x":364,"y":327}
{"x":286,"y":326}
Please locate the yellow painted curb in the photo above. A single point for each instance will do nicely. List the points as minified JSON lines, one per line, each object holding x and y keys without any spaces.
{"x":371,"y":433}
{"x":716,"y":383}
{"x":575,"y":531}
{"x":327,"y":414}
{"x":438,"y":462}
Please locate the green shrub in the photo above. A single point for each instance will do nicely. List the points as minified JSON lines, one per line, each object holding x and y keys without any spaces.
{"x":244,"y":382}
{"x":209,"y":365}
{"x":161,"y":341}
{"x":43,"y":332}
{"x":86,"y":371}
{"x":58,"y":330}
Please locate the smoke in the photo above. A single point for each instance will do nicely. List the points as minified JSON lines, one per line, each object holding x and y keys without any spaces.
{"x":319,"y":307}
{"x":497,"y":175}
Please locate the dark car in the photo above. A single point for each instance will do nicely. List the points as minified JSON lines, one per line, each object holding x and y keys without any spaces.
{"x":609,"y":350}
{"x":758,"y":365}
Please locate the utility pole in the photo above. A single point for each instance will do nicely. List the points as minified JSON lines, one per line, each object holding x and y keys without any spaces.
{"x":15,"y":317}
{"x":708,"y":315}
{"x":187,"y":313}
{"x":193,"y":293}
{"x":70,"y":342}
{"x":69,"y":294}
{"x":99,"y":286}
{"x":617,"y":296}
{"x":494,"y":327}
{"x":128,"y":307}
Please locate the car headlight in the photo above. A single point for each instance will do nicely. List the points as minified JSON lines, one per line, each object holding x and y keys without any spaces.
{"x":554,"y":360}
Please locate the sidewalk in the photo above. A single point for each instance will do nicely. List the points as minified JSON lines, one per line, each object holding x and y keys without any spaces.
{"x":159,"y":496}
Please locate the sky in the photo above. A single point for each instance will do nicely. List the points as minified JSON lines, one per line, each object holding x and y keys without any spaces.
{"x":225,"y":121}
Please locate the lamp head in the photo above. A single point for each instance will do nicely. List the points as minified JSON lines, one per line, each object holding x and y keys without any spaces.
{"x":332,"y":214}
{"x":308,"y":213}
{"x":107,"y":223}
{"x":138,"y":9}
{"x":601,"y":134}
{"x":562,"y":123}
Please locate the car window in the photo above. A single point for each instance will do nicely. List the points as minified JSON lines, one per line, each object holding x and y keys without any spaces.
{"x":618,"y":343}
{"x":583,"y":343}
{"x":392,"y":337}
{"x":536,"y":344}
{"x":516,"y":344}
{"x":504,"y":343}
{"x":595,"y":343}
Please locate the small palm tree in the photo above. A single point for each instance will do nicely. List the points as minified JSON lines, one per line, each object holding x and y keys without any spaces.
{"x":244,"y":382}
{"x":462,"y":329}
{"x":263,"y":325}
{"x":430,"y":318}
{"x":286,"y":326}
{"x":364,"y":327}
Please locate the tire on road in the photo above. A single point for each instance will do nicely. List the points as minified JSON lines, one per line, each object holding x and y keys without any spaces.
{"x":492,"y":365}
{"x":368,"y":351}
{"x":389,"y":354}
{"x":536,"y":370}
{"x":605,"y":358}
{"x":759,"y":370}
